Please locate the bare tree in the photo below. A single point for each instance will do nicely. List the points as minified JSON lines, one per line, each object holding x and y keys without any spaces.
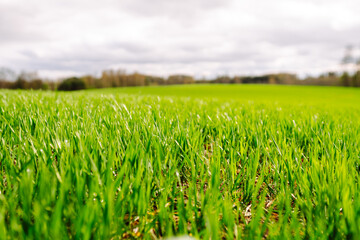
{"x":6,"y":74}
{"x":348,"y":56}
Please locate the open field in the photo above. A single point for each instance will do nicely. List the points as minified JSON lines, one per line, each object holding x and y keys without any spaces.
{"x":298,"y":95}
{"x":229,"y":161}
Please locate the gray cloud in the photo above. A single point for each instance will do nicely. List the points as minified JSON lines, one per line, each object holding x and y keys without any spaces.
{"x":200,"y":37}
{"x":14,"y":28}
{"x":172,"y":9}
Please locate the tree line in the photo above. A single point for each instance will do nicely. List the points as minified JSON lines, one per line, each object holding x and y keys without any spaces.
{"x":119,"y":78}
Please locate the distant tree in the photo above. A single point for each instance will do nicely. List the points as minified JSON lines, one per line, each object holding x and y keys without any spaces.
{"x":28,"y":76}
{"x":356,"y":79}
{"x":331,"y":74}
{"x":136,"y":79}
{"x":72,"y":84}
{"x":180,"y":79}
{"x":286,"y":78}
{"x":111,"y":78}
{"x":90,"y":81}
{"x":345,"y":79}
{"x":348,"y":56}
{"x":223,"y":79}
{"x":20,"y":84}
{"x":52,"y":85}
{"x":237,"y":80}
{"x":153,"y":80}
{"x":6,"y":74}
{"x":28,"y":80}
{"x":272,"y":79}
{"x":37,"y":84}
{"x":6,"y":84}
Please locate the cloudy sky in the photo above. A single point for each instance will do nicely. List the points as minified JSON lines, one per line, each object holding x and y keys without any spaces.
{"x":204,"y":38}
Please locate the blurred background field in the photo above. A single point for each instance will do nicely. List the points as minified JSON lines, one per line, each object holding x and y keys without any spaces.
{"x":297,"y":95}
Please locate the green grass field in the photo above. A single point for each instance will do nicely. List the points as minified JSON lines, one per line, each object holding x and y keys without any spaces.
{"x":208,"y":161}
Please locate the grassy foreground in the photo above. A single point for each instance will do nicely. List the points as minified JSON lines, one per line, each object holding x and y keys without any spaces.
{"x":205,"y":161}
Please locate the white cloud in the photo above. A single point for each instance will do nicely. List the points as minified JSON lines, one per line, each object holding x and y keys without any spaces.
{"x":198,"y":37}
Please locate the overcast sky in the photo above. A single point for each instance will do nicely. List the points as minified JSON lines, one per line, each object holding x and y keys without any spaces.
{"x":58,"y":38}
